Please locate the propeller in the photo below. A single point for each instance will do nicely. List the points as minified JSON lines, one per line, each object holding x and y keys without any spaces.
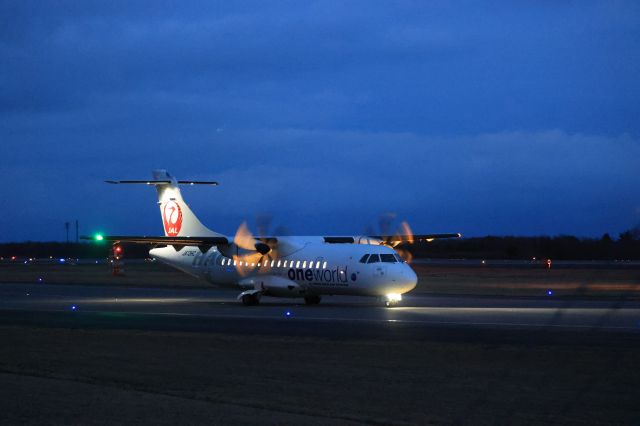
{"x":246,"y":255}
{"x":253,"y":252}
{"x":398,"y":239}
{"x":404,"y":239}
{"x":263,"y":223}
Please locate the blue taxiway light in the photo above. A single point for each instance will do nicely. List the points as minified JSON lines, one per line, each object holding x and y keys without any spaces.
{"x":287,"y":314}
{"x":549,"y":292}
{"x":74,"y":307}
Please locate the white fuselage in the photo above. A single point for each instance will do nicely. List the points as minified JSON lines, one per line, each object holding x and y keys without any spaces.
{"x":309,"y":267}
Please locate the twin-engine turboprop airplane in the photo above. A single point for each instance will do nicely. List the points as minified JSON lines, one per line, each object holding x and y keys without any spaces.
{"x":276,"y":266}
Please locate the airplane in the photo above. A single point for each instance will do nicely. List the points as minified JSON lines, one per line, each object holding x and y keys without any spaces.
{"x":306,"y":267}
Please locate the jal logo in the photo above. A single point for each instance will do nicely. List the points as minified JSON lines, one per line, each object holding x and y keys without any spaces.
{"x":172,"y":218}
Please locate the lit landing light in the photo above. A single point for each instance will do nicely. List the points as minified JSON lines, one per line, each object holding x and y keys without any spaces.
{"x":394,"y":297}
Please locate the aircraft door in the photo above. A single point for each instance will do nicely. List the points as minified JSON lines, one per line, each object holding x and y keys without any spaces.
{"x":209,"y":263}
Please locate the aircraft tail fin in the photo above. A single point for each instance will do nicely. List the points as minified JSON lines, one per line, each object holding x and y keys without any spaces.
{"x":177,"y":218}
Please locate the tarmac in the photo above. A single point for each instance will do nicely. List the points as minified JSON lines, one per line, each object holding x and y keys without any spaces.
{"x":114,"y":354}
{"x":419,"y":315}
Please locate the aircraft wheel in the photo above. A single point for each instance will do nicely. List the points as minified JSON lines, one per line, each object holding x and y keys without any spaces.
{"x":250,"y":300}
{"x":312,"y":300}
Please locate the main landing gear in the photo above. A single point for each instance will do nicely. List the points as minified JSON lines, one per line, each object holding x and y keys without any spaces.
{"x":312,"y":300}
{"x":250,"y":299}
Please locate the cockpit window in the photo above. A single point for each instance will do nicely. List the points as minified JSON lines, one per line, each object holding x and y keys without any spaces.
{"x":373,"y":258}
{"x":400,"y":259}
{"x":364,"y":258}
{"x":388,"y":258}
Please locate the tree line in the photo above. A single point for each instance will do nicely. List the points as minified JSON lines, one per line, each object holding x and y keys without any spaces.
{"x":625,"y":247}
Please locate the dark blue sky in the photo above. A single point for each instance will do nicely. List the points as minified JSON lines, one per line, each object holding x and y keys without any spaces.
{"x":478,"y":117}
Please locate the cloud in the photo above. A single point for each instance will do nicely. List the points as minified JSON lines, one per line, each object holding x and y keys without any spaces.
{"x":547,"y":182}
{"x":332,"y":112}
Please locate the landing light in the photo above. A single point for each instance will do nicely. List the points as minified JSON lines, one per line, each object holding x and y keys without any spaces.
{"x":394,"y":297}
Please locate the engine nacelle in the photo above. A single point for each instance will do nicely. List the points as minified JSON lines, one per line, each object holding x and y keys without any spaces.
{"x":230,"y":250}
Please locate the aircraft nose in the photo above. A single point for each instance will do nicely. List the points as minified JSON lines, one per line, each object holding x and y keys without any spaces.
{"x":411,"y":277}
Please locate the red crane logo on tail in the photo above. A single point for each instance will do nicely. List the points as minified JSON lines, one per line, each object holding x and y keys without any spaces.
{"x":172,"y":218}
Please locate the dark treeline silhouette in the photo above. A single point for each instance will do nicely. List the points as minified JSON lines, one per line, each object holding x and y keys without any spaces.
{"x":43,"y":250}
{"x":625,"y":247}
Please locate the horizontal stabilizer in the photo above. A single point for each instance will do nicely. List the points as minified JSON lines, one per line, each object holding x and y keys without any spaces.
{"x":163,"y":182}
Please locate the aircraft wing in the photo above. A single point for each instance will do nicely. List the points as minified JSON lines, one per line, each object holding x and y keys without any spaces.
{"x":392,"y":238}
{"x":414,"y":238}
{"x":173,"y":241}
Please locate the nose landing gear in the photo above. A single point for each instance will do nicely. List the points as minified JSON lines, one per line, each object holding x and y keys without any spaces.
{"x":392,"y":299}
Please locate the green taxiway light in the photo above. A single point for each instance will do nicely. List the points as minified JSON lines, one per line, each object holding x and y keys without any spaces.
{"x":99,"y":237}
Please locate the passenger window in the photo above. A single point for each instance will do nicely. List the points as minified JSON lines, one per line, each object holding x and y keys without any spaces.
{"x":364,"y":258}
{"x":374,"y":258}
{"x":388,"y":258}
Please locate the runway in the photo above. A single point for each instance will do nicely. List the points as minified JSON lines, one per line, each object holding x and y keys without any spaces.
{"x":216,"y":310}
